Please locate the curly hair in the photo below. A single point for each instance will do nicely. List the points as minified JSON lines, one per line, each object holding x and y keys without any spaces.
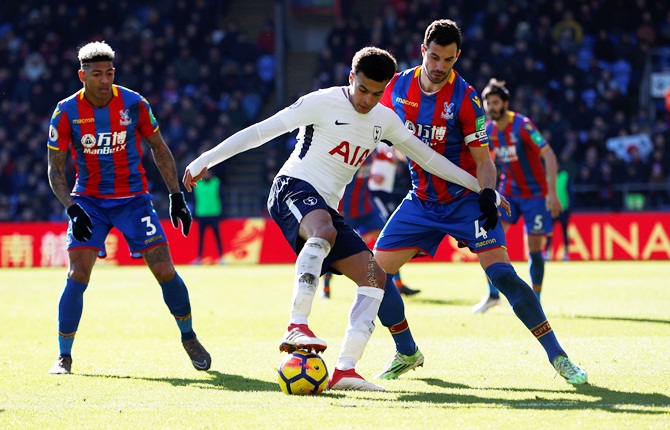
{"x":375,"y":63}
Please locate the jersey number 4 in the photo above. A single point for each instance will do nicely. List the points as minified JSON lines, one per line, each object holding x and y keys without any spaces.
{"x":479,"y":231}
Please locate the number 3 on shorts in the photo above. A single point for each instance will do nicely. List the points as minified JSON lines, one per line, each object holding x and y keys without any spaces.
{"x":151,"y":229}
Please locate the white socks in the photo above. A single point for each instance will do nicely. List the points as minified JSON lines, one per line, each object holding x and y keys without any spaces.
{"x":361,"y":325}
{"x":307,"y":273}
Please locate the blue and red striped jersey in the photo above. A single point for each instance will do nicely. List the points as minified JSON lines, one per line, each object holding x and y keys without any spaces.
{"x":357,"y":201}
{"x":449,"y":121}
{"x":518,"y":147}
{"x":105,"y":142}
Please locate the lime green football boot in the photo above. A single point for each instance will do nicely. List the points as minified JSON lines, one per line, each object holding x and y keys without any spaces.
{"x":401,"y":364}
{"x":570,"y":371}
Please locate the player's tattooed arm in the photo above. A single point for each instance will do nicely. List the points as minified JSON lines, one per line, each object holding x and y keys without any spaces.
{"x":57,"y":179}
{"x":164,"y":161}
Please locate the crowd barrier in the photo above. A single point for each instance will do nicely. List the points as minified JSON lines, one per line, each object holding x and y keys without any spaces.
{"x":593,"y":236}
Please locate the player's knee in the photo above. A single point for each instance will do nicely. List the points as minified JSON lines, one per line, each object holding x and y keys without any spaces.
{"x":163,"y":272}
{"x":327,"y":232}
{"x":79,"y":273}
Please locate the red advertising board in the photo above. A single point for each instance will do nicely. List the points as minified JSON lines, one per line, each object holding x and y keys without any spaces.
{"x":593,"y":236}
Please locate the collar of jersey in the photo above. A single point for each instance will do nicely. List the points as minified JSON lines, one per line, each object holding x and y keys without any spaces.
{"x":115,"y":92}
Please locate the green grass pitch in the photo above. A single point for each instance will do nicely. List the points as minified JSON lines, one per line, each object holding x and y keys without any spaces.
{"x":481,"y":371}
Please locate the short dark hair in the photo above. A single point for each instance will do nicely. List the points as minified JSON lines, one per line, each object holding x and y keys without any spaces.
{"x":443,"y":32}
{"x":496,"y":87}
{"x":375,"y":63}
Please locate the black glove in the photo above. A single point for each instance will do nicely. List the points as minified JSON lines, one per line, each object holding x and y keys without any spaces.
{"x":179,"y":211}
{"x":82,"y":227}
{"x":487,"y":204}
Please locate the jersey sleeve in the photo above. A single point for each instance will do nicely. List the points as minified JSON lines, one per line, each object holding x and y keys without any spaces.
{"x":308,"y":109}
{"x":59,"y":130}
{"x":148,"y":124}
{"x":424,"y":156}
{"x":532,"y":137}
{"x":472,"y":120}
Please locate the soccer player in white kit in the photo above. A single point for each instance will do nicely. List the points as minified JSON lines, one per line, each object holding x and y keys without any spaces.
{"x":339,"y":128}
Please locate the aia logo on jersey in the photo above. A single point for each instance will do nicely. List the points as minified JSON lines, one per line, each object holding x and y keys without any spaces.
{"x":352,"y":156}
{"x":125,"y":118}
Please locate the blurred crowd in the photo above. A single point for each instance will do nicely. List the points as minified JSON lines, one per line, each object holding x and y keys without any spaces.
{"x":574,"y":67}
{"x":204,"y":77}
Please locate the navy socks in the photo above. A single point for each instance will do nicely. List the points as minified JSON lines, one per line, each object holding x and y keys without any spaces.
{"x":176,"y":298}
{"x":392,"y":315}
{"x":70,"y":307}
{"x":526,"y":306}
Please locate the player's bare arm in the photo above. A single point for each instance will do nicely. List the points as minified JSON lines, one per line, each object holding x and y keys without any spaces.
{"x":551,"y":166}
{"x":164,"y":161}
{"x":57,"y":179}
{"x":486,"y":173}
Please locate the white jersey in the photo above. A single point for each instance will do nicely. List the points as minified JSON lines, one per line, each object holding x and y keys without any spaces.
{"x":334,"y":139}
{"x":384,"y":167}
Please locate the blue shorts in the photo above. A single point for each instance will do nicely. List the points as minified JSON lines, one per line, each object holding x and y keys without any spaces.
{"x":537,"y":218}
{"x":367,"y":223}
{"x":290,"y":200}
{"x":135,"y":217}
{"x":423,"y":225}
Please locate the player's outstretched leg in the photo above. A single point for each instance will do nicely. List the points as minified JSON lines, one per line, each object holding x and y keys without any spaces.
{"x":307,"y":271}
{"x":392,"y":315}
{"x":70,"y":308}
{"x":176,"y":298}
{"x":361,"y":325}
{"x":527,"y":308}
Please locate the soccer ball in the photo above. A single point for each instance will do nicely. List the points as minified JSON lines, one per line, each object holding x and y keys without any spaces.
{"x":303,"y":373}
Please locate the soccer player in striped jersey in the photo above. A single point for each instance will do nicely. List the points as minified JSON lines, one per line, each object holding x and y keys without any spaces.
{"x":339,"y":128}
{"x":103,"y":126}
{"x":361,"y":212}
{"x":528,"y":185}
{"x":446,"y":113}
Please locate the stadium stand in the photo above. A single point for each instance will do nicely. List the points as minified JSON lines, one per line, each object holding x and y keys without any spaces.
{"x":581,"y":70}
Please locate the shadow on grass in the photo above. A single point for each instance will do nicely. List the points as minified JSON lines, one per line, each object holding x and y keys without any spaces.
{"x":640,"y":320}
{"x":601,"y":398}
{"x":218,"y":381}
{"x":427,"y":301}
